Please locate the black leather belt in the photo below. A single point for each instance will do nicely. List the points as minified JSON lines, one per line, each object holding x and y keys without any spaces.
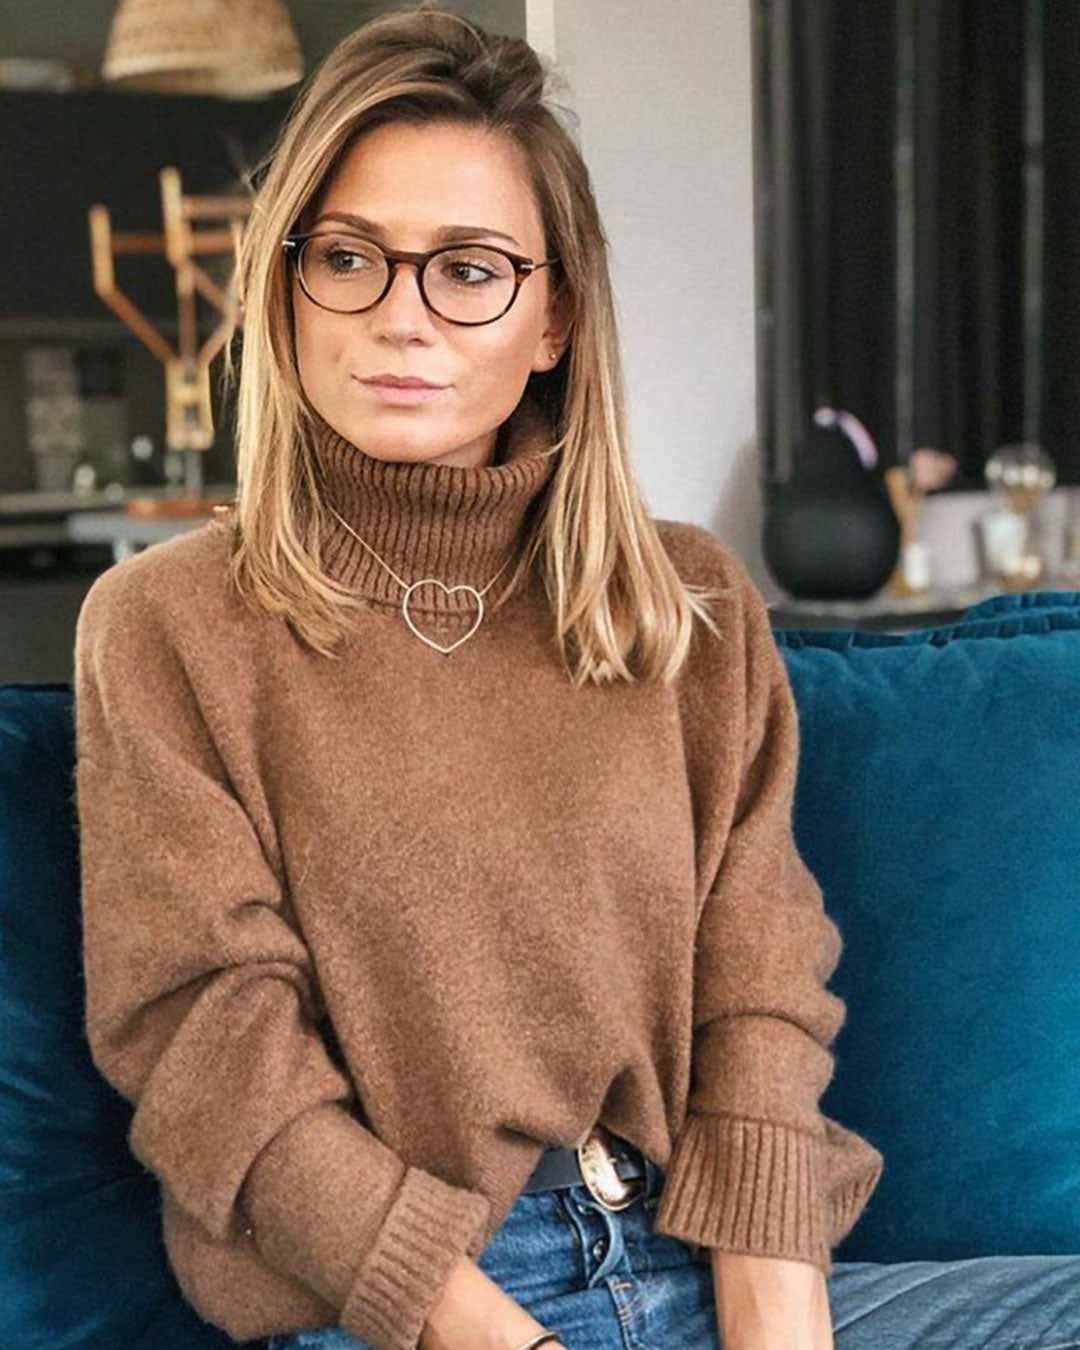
{"x":610,"y":1168}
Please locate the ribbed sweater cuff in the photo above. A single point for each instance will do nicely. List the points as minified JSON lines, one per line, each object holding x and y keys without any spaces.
{"x":751,"y":1186}
{"x":429,"y":1226}
{"x":335,"y":1207}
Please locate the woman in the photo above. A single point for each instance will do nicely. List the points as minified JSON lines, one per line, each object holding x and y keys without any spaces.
{"x":442,"y":917}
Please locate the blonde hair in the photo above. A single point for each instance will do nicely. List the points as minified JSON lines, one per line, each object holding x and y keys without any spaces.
{"x":614,"y":594}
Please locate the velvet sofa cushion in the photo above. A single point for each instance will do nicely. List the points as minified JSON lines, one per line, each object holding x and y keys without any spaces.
{"x":937,"y":803}
{"x":82,"y":1262}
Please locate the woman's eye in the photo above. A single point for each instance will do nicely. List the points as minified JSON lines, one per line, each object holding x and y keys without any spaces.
{"x":340,"y":259}
{"x":458,"y":271}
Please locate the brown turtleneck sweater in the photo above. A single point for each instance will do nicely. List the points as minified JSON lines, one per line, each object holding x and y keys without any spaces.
{"x":362,"y":937}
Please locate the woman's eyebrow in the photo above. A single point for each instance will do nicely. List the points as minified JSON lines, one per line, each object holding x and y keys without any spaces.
{"x":443,"y":235}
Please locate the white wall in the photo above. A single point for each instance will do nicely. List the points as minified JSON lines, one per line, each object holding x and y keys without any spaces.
{"x":663,"y":94}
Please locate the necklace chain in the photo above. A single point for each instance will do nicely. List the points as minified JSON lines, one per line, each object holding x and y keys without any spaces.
{"x":410,"y":588}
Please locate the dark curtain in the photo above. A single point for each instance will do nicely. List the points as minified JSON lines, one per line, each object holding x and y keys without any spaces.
{"x":1061,"y":241}
{"x":855,"y":238}
{"x":836,"y":161}
{"x":832,"y":149}
{"x":968,"y":372}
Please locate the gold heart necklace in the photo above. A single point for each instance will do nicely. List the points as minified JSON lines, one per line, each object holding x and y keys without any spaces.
{"x":434,"y":581}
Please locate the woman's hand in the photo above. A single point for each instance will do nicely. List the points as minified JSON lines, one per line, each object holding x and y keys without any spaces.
{"x":474,"y":1313}
{"x":769,"y":1303}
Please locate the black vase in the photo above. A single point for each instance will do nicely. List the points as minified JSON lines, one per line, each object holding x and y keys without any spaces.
{"x":830,"y":531}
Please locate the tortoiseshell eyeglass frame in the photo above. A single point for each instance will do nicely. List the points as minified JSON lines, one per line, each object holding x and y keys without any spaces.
{"x":523,"y":267}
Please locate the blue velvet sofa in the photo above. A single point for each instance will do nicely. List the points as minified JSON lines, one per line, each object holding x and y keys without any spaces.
{"x":938,"y":804}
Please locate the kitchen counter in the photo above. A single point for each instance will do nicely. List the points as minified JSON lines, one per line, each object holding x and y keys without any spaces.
{"x":127,"y":533}
{"x":21,"y":505}
{"x":52,"y":524}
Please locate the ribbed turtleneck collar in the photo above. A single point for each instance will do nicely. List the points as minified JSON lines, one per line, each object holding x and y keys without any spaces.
{"x":457,"y":524}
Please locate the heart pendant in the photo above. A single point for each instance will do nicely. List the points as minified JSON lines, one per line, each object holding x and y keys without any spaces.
{"x":448,"y":590}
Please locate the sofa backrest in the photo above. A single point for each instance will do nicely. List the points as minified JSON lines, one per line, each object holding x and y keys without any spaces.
{"x":938,"y":804}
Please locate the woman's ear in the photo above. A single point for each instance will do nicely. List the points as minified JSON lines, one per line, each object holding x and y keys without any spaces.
{"x":556,"y":336}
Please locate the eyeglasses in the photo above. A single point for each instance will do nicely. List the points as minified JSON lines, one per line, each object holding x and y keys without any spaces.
{"x":462,"y":283}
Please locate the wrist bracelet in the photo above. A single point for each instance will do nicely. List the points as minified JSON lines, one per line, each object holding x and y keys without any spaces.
{"x":544,"y":1338}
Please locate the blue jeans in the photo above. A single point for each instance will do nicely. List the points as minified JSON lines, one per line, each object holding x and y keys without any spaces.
{"x":604,"y":1280}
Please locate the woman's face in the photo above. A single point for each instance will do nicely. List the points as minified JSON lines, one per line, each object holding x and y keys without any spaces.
{"x":408,"y":181}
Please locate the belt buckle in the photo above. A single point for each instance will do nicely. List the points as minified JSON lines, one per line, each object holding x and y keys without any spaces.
{"x":603,"y":1183}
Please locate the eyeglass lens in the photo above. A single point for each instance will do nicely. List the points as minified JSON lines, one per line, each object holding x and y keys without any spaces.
{"x":468,"y":283}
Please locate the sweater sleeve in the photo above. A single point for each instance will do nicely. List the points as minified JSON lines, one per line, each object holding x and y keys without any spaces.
{"x":755,"y":1167}
{"x":203,"y":1010}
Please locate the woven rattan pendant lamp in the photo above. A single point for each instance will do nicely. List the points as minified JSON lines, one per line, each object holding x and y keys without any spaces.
{"x":229,"y":48}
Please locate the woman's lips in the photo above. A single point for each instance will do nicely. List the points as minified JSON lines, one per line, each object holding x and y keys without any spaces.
{"x":402,"y":395}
